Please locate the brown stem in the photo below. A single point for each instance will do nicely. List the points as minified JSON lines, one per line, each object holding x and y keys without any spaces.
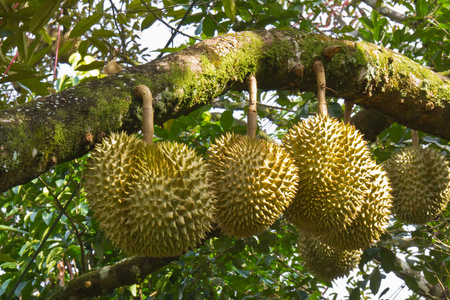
{"x":415,"y":138}
{"x":348,"y":111}
{"x":143,"y":92}
{"x":321,"y":87}
{"x":330,"y":51}
{"x":252,"y":117}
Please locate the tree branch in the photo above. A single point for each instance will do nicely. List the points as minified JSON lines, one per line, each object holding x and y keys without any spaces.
{"x":60,"y":127}
{"x":105,"y":280}
{"x":386,"y":11}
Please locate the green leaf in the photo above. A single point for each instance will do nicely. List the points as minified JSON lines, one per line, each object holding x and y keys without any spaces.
{"x":383,"y":292}
{"x":366,"y":22}
{"x":355,"y":294}
{"x":230,"y":9}
{"x":95,"y":65}
{"x":99,"y":44}
{"x":84,"y":25}
{"x":4,"y":286}
{"x":226,"y":120}
{"x":7,"y":228}
{"x":4,"y":33}
{"x":147,"y":22}
{"x":375,"y":281}
{"x":103,"y":33}
{"x":122,"y":18}
{"x":209,"y":25}
{"x":65,"y":21}
{"x":47,"y":217}
{"x":243,"y":273}
{"x":388,"y":260}
{"x":22,"y":45}
{"x":6,"y":258}
{"x":36,"y":57}
{"x":421,"y":8}
{"x":411,"y":283}
{"x":396,"y":133}
{"x":43,"y":14}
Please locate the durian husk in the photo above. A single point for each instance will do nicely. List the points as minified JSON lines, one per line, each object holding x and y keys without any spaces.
{"x":108,"y":175}
{"x":371,"y":221}
{"x":420,"y":180}
{"x":334,"y":170}
{"x":171,"y":209}
{"x":324,"y":262}
{"x":150,"y":199}
{"x":253,"y":181}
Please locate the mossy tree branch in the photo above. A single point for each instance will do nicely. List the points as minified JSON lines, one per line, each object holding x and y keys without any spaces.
{"x":39,"y":134}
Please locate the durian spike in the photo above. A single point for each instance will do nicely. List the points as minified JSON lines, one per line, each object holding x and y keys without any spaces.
{"x":348,"y":111}
{"x":252,"y":116}
{"x":143,"y":92}
{"x":321,"y":87}
{"x":415,"y":138}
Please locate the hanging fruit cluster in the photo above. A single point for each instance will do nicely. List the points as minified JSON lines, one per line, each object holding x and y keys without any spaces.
{"x":161,"y":199}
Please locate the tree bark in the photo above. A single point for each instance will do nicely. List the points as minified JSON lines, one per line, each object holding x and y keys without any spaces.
{"x":105,"y":280}
{"x":39,"y":134}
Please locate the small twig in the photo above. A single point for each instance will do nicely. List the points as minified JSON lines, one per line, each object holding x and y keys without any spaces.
{"x":348,"y":111}
{"x":44,"y":240}
{"x":252,"y":116}
{"x":143,"y":92}
{"x":72,"y":223}
{"x":321,"y":88}
{"x":415,"y":138}
{"x":167,"y":24}
{"x":121,"y":33}
{"x":178,"y":27}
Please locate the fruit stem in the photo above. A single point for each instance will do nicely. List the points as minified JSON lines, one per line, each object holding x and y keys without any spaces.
{"x":330,"y":51}
{"x":321,"y":87}
{"x":143,"y":92}
{"x":252,"y":117}
{"x":415,"y":138}
{"x":348,"y":111}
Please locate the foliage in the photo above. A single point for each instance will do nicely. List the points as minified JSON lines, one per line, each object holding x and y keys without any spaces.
{"x":37,"y":35}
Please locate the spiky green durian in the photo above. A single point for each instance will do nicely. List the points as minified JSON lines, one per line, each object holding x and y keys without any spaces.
{"x":420,"y":184}
{"x":371,"y":221}
{"x":324,"y":262}
{"x":334,"y":170}
{"x":171,"y":208}
{"x":108,"y":174}
{"x":253,"y":181}
{"x":150,"y":199}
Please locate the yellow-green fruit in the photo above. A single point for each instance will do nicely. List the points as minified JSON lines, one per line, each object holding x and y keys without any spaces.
{"x":253,"y":181}
{"x":334,"y":169}
{"x":324,"y":262}
{"x":171,"y":208}
{"x":371,"y":221}
{"x":108,"y":176}
{"x":420,"y":184}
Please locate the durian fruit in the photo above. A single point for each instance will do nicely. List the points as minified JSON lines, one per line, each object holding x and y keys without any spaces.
{"x":324,"y":262}
{"x":335,"y":167}
{"x":253,"y":181}
{"x":420,"y":184}
{"x":371,"y":221}
{"x":171,"y":208}
{"x":108,"y":176}
{"x":150,"y":199}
